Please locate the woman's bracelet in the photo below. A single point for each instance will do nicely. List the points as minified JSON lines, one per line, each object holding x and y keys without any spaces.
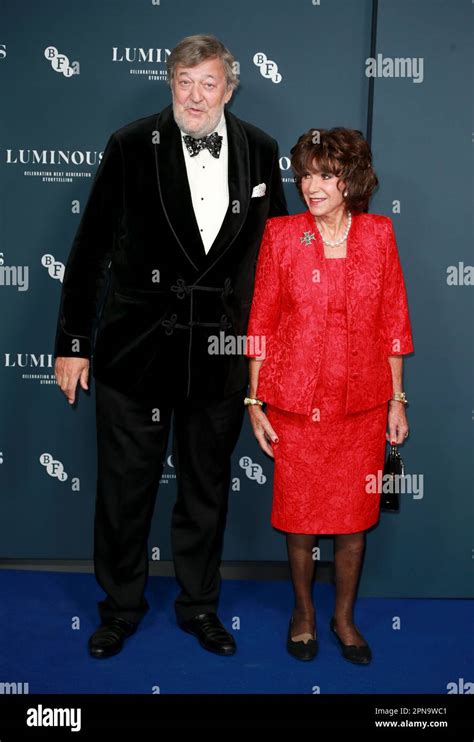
{"x":400,"y":397}
{"x":252,"y":400}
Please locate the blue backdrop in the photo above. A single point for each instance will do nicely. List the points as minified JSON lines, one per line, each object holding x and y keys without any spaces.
{"x":54,"y":125}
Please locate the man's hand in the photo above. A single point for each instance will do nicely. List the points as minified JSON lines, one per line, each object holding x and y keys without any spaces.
{"x":68,"y":372}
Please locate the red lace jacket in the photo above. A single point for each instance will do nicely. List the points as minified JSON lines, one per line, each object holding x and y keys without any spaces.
{"x":288,"y":312}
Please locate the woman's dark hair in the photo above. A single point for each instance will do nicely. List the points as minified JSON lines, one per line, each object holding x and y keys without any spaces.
{"x":344,"y":153}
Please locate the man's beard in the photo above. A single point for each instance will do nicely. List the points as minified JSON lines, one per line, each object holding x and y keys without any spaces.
{"x":203,"y":131}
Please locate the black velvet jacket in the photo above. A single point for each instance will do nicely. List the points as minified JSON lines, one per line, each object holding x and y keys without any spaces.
{"x":138,"y":257}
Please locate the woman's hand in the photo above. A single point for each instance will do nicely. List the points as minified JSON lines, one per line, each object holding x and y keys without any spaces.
{"x":262,"y":429}
{"x":397,"y":422}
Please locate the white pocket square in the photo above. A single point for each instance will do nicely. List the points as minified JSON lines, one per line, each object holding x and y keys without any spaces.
{"x":259,"y":190}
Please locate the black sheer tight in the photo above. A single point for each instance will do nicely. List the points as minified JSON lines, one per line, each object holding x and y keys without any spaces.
{"x":300,"y":555}
{"x":348,"y":557}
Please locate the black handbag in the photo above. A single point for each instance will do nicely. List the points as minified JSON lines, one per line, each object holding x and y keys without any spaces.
{"x":394,"y":469}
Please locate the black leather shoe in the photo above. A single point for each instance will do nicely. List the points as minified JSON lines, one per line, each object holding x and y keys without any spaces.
{"x":109,"y":637}
{"x":301,"y":650}
{"x":352,"y":653}
{"x":210,"y":632}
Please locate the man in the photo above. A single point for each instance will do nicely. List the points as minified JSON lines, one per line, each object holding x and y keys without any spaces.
{"x":174,"y":222}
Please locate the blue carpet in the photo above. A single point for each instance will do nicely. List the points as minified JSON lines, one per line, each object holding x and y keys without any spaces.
{"x":40,"y":646}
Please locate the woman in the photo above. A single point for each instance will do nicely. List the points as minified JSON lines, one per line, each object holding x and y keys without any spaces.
{"x":330,"y":311}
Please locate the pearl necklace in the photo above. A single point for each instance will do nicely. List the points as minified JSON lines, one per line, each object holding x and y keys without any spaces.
{"x":344,"y":236}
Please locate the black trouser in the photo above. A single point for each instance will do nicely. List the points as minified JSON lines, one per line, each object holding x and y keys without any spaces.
{"x":132,"y":437}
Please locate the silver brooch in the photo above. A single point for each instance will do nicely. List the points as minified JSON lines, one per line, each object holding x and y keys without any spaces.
{"x":307,"y":237}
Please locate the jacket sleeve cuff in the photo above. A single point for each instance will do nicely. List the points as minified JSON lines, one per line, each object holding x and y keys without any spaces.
{"x":68,"y":345}
{"x":400,"y":346}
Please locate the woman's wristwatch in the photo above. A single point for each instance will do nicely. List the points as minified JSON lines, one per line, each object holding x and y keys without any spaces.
{"x":252,"y":400}
{"x":400,"y":397}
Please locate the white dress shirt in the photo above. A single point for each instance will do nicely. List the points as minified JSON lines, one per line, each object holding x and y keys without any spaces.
{"x":208,"y":182}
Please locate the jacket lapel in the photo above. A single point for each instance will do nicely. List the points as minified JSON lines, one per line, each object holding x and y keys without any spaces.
{"x":174,"y":188}
{"x":239,"y":190}
{"x":175,"y":193}
{"x":353,"y":258}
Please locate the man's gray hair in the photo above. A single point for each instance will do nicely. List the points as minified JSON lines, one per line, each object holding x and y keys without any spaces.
{"x":193,"y":50}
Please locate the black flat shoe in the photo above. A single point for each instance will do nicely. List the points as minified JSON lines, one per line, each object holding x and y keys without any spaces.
{"x":350,"y":652}
{"x":109,"y":637}
{"x":211,"y":633}
{"x":301,"y":650}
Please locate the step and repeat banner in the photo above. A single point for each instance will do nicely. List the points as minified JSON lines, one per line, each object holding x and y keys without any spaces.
{"x":70,"y":74}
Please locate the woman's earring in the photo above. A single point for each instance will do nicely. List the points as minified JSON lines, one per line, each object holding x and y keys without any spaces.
{"x":345,"y":194}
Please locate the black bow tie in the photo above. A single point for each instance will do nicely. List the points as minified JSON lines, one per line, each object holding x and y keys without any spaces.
{"x":213,"y":142}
